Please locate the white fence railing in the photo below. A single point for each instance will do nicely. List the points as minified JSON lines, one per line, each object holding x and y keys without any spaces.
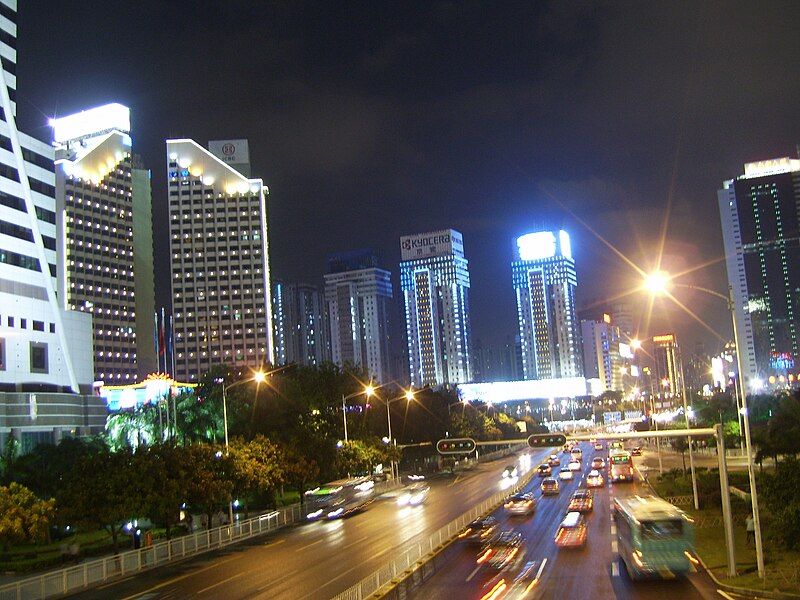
{"x":91,"y":573}
{"x":420,"y":550}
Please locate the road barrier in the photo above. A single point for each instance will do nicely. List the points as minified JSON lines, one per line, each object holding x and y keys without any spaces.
{"x":88,"y":574}
{"x":680,"y":500}
{"x":414,"y":557}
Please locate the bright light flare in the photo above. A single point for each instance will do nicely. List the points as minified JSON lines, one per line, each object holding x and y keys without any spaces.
{"x":369,"y":390}
{"x":259,"y":376}
{"x":656,"y":283}
{"x":409,"y":395}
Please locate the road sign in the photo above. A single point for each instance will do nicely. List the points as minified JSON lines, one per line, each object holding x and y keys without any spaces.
{"x":456,"y":446}
{"x":547,"y":440}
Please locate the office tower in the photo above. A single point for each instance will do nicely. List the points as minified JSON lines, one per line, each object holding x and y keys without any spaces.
{"x":601,"y":352}
{"x":622,"y":317}
{"x":434,"y":277}
{"x":43,"y":346}
{"x":544,"y":280}
{"x":357,"y":297}
{"x":759,"y":214}
{"x":667,"y":359}
{"x":297,"y":318}
{"x":104,"y":216}
{"x":483,"y":364}
{"x":220,"y":268}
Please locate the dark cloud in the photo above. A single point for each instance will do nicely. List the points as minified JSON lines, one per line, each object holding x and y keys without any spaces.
{"x":375,"y":119}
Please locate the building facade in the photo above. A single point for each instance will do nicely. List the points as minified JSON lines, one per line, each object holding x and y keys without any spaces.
{"x":601,"y":353}
{"x":96,"y":200}
{"x":760,"y":224}
{"x":298,"y":322}
{"x":434,"y":278}
{"x":357,"y":303}
{"x":668,"y":369}
{"x":220,"y":268}
{"x":544,"y":281}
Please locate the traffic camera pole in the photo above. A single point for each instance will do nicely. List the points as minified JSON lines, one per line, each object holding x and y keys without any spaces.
{"x":726,"y":499}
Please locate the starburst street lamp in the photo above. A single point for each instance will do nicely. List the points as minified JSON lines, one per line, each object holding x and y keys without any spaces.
{"x":368,"y":391}
{"x":652,"y":283}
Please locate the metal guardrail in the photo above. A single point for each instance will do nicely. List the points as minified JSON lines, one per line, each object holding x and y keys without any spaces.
{"x":91,"y":573}
{"x":680,"y":500}
{"x":418,"y":551}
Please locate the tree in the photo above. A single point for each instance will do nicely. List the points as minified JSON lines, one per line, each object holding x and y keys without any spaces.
{"x":102,"y":491}
{"x":259,"y":466}
{"x":46,"y":468}
{"x":210,"y":483}
{"x":165,"y":476}
{"x":361,"y":457}
{"x":8,"y":459}
{"x":680,"y":444}
{"x":23,"y":516}
{"x":784,"y":426}
{"x":199,"y":418}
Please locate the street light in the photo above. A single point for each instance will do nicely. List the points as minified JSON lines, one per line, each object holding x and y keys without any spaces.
{"x":368,"y":391}
{"x":258,"y":377}
{"x":745,"y":416}
{"x":408,"y":396}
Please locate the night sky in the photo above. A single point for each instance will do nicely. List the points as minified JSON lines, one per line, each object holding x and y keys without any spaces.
{"x":373,"y":120}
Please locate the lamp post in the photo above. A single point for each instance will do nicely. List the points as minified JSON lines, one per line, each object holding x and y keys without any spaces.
{"x":408,"y":396}
{"x":368,"y":390}
{"x":664,"y":280}
{"x":258,"y":377}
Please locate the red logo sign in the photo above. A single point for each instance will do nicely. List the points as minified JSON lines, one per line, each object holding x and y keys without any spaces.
{"x":228,"y":149}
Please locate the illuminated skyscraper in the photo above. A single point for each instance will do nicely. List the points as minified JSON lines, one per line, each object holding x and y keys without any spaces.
{"x":434,"y":277}
{"x":760,"y":224}
{"x":544,"y":280}
{"x":357,"y":296}
{"x":601,"y":352}
{"x":297,"y":318}
{"x":667,"y":359}
{"x":220,"y":267}
{"x":103,"y":206}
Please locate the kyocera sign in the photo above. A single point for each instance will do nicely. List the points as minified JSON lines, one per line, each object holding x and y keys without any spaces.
{"x":435,"y":243}
{"x":232,"y":152}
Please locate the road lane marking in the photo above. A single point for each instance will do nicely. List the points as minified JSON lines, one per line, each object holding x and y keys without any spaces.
{"x":179,"y":578}
{"x":301,"y":548}
{"x":213,"y":585}
{"x":614,"y":569}
{"x":474,"y":572}
{"x":274,"y":543}
{"x":614,"y":547}
{"x":455,"y":481}
{"x":366,"y":537}
{"x":541,"y":568}
{"x":725,"y":595}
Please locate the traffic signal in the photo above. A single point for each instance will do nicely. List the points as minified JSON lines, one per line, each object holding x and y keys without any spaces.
{"x":456,"y":446}
{"x":547,"y":440}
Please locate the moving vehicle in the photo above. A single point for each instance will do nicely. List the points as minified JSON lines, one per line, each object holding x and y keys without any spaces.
{"x":554,"y":461}
{"x":636,"y":451}
{"x":479,"y":531}
{"x":520,"y":504}
{"x":654,"y":538}
{"x":564,"y":473}
{"x":413,"y":495}
{"x":544,"y":470}
{"x":574,"y":465}
{"x":582,"y":501}
{"x":339,"y":498}
{"x":510,"y":471}
{"x":598,"y":463}
{"x":576,"y":453}
{"x":572,"y":531}
{"x":567,"y":448}
{"x":502,"y":551}
{"x":594,"y":479}
{"x":598,"y":446}
{"x":615,"y":445}
{"x":621,"y":466}
{"x":518,"y":588}
{"x":550,"y":486}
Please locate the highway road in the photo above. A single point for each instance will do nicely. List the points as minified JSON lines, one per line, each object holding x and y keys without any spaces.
{"x":314,"y":560}
{"x":566,"y":574}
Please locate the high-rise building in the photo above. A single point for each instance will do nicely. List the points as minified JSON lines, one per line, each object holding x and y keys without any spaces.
{"x":622,"y":317}
{"x":760,"y":223}
{"x":43,"y":346}
{"x":484,"y":368}
{"x":298,"y":322}
{"x":601,"y":352}
{"x":434,"y":277}
{"x":544,"y":280}
{"x":46,"y":369}
{"x":667,"y":360}
{"x":357,"y":297}
{"x":100,"y":197}
{"x":220,"y":268}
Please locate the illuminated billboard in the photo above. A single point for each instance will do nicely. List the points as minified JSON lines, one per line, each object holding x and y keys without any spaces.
{"x":92,"y":121}
{"x":509,"y":391}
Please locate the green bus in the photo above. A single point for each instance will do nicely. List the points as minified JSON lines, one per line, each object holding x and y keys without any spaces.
{"x":654,"y":538}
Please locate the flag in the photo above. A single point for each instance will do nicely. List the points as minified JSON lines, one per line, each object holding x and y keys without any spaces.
{"x":162,"y":347}
{"x":155,"y":332}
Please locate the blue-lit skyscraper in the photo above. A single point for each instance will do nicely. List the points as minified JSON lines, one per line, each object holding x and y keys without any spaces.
{"x":544,"y":282}
{"x":434,"y":277}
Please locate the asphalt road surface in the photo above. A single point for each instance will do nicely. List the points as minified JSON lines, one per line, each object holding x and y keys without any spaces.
{"x":314,"y":560}
{"x":593,"y":572}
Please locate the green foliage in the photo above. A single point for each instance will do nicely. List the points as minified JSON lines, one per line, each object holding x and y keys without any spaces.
{"x":259,"y":466}
{"x":102,"y":491}
{"x":164,"y":475}
{"x":210,"y":483}
{"x":8,"y":460}
{"x":23,"y":516}
{"x":781,"y":506}
{"x":46,"y":468}
{"x":359,"y":456}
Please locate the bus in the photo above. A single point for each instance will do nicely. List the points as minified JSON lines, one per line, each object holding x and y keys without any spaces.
{"x":339,"y":498}
{"x":614,"y":446}
{"x":654,"y":538}
{"x":620,"y":466}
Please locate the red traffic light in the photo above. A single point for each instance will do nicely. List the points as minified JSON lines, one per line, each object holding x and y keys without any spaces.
{"x":456,"y":446}
{"x":547,"y":440}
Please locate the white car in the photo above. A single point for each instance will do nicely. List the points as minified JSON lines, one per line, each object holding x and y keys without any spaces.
{"x":594,"y":479}
{"x":574,"y":465}
{"x":520,"y":504}
{"x":565,"y":474}
{"x":510,"y":471}
{"x":413,"y":495}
